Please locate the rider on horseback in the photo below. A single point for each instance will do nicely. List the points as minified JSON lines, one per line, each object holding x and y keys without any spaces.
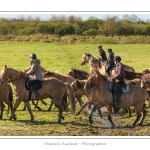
{"x":102,"y":54}
{"x":110,"y":63}
{"x":118,"y":77}
{"x":35,"y":74}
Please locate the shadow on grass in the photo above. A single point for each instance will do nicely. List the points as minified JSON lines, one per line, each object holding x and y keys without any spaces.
{"x":63,"y":123}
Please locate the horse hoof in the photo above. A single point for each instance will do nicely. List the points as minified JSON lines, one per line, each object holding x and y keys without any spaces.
{"x":58,"y":121}
{"x":90,"y":121}
{"x":131,"y":126}
{"x":129,"y":116}
{"x":139,"y":124}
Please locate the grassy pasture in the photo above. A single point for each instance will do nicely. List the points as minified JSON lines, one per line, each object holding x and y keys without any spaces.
{"x":61,"y":58}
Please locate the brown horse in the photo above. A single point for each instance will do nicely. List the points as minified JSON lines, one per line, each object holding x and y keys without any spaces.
{"x":91,"y":98}
{"x":6,"y":96}
{"x":52,"y":88}
{"x":64,"y":79}
{"x":136,"y":97}
{"x":78,"y":74}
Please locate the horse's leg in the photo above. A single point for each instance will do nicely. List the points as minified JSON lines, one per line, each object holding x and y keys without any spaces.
{"x":50,"y":107}
{"x":65,"y":105}
{"x":109,"y":108}
{"x":79,"y":100}
{"x":44,"y":103}
{"x":84,"y":105}
{"x":17,"y":103}
{"x":144,"y":114}
{"x":91,"y":113}
{"x":35,"y":105}
{"x":2,"y":109}
{"x":24,"y":108}
{"x":138,"y":116}
{"x":29,"y":109}
{"x":99,"y":112}
{"x":59,"y":105}
{"x":129,"y":111}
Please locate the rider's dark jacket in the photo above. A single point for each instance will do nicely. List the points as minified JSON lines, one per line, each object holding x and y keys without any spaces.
{"x":119,"y":73}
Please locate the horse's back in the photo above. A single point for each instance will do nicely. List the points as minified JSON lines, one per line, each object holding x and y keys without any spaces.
{"x":137,"y":93}
{"x":145,"y":76}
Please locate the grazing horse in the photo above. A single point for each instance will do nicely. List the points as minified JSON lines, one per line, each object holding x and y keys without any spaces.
{"x":78,"y":74}
{"x":6,"y":96}
{"x":52,"y":88}
{"x":136,"y":97}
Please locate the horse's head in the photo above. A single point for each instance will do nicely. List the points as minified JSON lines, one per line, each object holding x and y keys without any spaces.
{"x":71,"y":73}
{"x":145,"y":84}
{"x":9,"y":74}
{"x":76,"y":84}
{"x":85,"y":59}
{"x":4,"y":74}
{"x":91,"y":81}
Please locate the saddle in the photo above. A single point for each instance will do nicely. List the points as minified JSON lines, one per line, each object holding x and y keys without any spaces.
{"x":28,"y":87}
{"x":124,"y":89}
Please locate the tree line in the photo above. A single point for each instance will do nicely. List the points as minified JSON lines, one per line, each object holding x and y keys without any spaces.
{"x":128,"y":25}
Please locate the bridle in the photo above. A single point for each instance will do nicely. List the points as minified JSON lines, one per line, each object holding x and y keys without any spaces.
{"x":10,"y":76}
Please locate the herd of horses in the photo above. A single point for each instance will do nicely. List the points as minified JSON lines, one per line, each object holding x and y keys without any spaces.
{"x":61,"y":88}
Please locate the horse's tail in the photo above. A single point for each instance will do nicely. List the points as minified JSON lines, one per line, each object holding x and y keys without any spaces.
{"x":71,"y":96}
{"x":10,"y":96}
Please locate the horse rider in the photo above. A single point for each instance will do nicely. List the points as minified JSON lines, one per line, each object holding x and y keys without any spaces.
{"x":110,"y":62}
{"x":34,"y":73}
{"x":118,"y":78}
{"x":102,"y":54}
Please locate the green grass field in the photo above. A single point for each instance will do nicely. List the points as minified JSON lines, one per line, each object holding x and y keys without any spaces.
{"x":62,"y":58}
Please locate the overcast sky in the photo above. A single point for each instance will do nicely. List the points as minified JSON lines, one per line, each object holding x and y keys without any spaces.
{"x":83,"y":16}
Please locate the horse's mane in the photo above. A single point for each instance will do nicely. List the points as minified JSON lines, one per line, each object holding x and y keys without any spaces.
{"x":95,"y":73}
{"x":80,"y":71}
{"x":93,"y":58}
{"x":49,"y":73}
{"x":18,"y":73}
{"x":79,"y":83}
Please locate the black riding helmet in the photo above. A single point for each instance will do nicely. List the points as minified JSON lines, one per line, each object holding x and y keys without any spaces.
{"x":117,"y":58}
{"x":109,"y":50}
{"x":33,"y":56}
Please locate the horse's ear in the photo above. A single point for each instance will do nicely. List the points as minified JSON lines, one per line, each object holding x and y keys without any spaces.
{"x":5,"y":66}
{"x":85,"y":53}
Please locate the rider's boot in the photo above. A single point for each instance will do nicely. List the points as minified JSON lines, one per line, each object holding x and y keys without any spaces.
{"x":35,"y":92}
